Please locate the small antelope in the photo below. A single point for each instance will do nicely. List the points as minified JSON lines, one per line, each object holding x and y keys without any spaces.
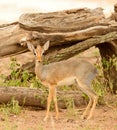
{"x":65,"y":72}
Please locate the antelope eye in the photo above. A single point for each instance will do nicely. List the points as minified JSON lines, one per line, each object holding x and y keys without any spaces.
{"x":34,"y":53}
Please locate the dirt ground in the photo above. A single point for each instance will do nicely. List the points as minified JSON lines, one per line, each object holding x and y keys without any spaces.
{"x":105,"y":118}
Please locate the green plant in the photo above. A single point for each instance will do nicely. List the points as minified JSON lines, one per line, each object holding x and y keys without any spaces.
{"x":110,"y":68}
{"x":68,"y":88}
{"x":99,"y":83}
{"x":110,"y":63}
{"x":14,"y":78}
{"x":17,"y":77}
{"x":13,"y":67}
{"x":40,"y":128}
{"x":71,"y":110}
{"x":12,"y":107}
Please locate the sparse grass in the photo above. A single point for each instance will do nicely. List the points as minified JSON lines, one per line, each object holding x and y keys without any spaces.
{"x":10,"y":127}
{"x":110,"y":68}
{"x":40,"y":127}
{"x":11,"y":107}
{"x":101,"y":85}
{"x":71,"y":110}
{"x":19,"y":78}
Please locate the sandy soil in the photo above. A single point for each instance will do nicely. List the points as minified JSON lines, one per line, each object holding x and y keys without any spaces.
{"x":105,"y":118}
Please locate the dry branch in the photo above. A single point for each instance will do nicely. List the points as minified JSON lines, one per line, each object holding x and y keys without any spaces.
{"x":82,"y":46}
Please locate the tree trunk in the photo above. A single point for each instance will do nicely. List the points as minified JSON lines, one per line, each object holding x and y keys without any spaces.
{"x":107,"y":51}
{"x":36,"y":97}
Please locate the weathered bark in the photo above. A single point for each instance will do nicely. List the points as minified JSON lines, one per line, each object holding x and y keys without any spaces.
{"x":74,"y":26}
{"x":62,"y":21}
{"x":36,"y":97}
{"x":67,"y":52}
{"x":10,"y":37}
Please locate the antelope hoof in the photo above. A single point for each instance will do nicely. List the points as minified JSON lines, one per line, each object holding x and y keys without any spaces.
{"x":83,"y":117}
{"x":45,"y":119}
{"x":89,"y":117}
{"x":57,"y":117}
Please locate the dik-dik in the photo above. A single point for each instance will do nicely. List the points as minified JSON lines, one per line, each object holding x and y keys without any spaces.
{"x":67,"y":72}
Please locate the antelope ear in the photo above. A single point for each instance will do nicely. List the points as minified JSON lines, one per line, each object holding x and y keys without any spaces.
{"x":31,"y":48}
{"x":46,"y":46}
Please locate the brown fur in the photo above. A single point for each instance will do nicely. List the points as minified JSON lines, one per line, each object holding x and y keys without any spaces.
{"x":65,"y":72}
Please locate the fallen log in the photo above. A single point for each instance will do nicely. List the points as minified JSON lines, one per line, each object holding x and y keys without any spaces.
{"x":35,"y":97}
{"x":62,"y":21}
{"x":10,"y":39}
{"x":60,"y":28}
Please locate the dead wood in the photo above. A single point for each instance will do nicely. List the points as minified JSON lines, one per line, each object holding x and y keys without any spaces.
{"x":62,"y":21}
{"x":36,"y":97}
{"x":61,"y":28}
{"x":67,"y":52}
{"x":10,"y":39}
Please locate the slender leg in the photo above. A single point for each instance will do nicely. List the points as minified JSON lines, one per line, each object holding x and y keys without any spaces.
{"x":56,"y":104}
{"x":87,"y":109}
{"x":49,"y":99}
{"x":93,"y":101}
{"x":93,"y":107}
